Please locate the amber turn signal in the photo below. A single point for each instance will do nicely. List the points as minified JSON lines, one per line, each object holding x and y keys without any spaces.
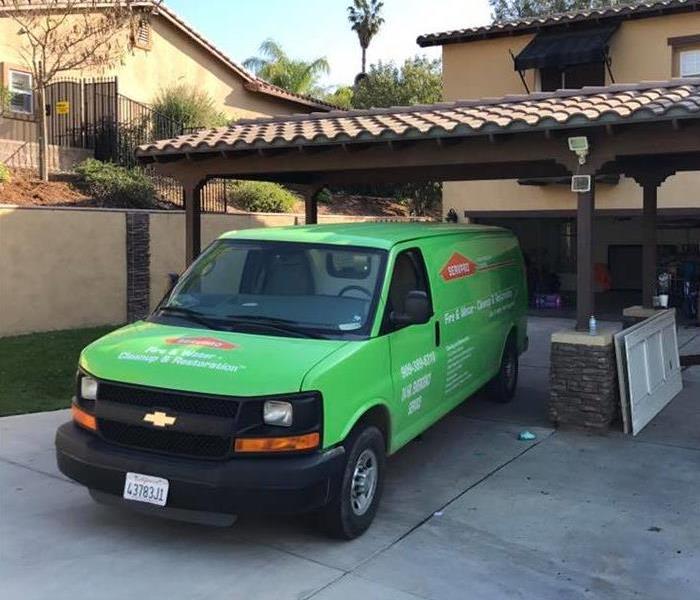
{"x":278,"y":444}
{"x":83,"y":419}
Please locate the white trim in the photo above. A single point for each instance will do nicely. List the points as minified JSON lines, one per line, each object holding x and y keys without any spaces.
{"x":21,"y":92}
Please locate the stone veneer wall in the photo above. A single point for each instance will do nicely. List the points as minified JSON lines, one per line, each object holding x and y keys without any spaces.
{"x":138,"y":265}
{"x":583,"y":385}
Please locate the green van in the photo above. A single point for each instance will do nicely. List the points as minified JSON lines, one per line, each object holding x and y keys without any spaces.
{"x":287,"y":363}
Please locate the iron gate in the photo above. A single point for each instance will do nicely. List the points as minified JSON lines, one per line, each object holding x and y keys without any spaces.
{"x":82,"y":113}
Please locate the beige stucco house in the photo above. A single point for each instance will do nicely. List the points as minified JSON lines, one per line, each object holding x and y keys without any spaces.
{"x":652,"y":41}
{"x":166,"y":52}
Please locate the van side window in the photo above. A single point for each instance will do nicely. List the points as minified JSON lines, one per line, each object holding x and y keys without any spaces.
{"x":409,"y":275}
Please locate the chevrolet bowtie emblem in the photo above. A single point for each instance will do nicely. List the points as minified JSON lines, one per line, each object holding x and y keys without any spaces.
{"x":159,"y":419}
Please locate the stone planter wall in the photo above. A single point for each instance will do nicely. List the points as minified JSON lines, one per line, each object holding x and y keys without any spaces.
{"x":583,"y":380}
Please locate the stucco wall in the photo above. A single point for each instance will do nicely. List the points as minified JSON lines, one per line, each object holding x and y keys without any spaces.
{"x":25,"y":155}
{"x":639,"y":51}
{"x":61,"y":269}
{"x":174,"y":58}
{"x":680,"y":191}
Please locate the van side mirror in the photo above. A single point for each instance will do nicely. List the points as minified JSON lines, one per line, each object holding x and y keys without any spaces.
{"x":417,"y":310}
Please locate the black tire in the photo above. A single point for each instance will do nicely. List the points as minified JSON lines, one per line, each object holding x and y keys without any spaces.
{"x":502,"y":387}
{"x":344,"y":518}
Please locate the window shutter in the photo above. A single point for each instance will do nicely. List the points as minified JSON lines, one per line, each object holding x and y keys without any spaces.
{"x":142,"y":34}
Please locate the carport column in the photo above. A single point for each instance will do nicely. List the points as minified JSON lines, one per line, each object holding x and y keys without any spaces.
{"x":585,"y":305}
{"x":311,"y":204}
{"x":192,"y":199}
{"x":650,"y":193}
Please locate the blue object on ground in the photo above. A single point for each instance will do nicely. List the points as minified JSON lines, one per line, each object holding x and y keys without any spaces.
{"x":526,"y":436}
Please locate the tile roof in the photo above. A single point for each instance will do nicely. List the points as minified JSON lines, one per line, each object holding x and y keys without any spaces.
{"x":618,"y":12}
{"x":251,"y":82}
{"x":653,"y":101}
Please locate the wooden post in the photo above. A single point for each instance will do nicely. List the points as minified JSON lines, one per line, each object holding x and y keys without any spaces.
{"x":585,"y":303}
{"x":650,"y":176}
{"x":311,"y":204}
{"x":192,"y":197}
{"x":650,"y":193}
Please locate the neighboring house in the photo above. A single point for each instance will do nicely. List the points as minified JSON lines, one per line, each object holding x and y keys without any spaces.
{"x":650,"y":41}
{"x":167,"y":51}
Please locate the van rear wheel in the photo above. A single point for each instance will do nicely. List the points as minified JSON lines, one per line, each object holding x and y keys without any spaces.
{"x":352,"y":511}
{"x":502,"y":387}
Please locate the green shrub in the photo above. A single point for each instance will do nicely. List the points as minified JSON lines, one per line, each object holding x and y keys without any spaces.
{"x":115,"y":186}
{"x":260,"y":196}
{"x":324,"y":196}
{"x":4,"y":173}
{"x":188,"y":106}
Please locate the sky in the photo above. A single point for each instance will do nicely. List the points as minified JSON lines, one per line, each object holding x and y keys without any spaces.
{"x":309,"y":29}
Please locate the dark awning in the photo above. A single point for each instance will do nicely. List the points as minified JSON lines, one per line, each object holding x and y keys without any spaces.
{"x":565,"y":48}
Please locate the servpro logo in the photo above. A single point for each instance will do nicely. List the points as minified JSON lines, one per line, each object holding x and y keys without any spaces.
{"x":458,"y":267}
{"x":206,"y":342}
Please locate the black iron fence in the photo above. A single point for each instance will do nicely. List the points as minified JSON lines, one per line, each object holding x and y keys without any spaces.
{"x":83,"y":113}
{"x":169,"y":189}
{"x":92,"y":114}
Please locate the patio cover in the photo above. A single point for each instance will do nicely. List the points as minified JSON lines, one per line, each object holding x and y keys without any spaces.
{"x":646,"y":131}
{"x":547,"y":111}
{"x":565,"y":48}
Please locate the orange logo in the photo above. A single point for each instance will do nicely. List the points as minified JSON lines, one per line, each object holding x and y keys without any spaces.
{"x":207,"y":342}
{"x":458,"y":267}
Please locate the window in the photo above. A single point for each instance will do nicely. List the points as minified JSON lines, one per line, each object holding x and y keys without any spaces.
{"x":689,"y":62}
{"x":273,"y":287}
{"x":21,"y":93}
{"x":572,"y":77}
{"x":409,"y":275}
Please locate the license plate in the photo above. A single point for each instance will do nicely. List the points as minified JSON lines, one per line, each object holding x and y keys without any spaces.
{"x":145,"y":488}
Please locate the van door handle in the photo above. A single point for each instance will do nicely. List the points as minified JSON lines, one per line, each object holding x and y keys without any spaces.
{"x":437,"y":333}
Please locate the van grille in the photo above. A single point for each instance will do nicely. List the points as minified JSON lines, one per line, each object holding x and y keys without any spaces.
{"x":178,"y":402}
{"x":170,"y":442}
{"x":128,"y":431}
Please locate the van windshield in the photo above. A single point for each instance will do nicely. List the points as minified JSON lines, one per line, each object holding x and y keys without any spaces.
{"x":280,"y":288}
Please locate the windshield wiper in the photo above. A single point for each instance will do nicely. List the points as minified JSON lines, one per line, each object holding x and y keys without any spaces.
{"x":282,"y":325}
{"x":188,"y":313}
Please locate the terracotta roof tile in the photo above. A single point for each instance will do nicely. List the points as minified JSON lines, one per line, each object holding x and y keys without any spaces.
{"x":615,"y":13}
{"x":674,"y":99}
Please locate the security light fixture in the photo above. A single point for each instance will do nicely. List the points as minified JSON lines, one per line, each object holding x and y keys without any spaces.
{"x":581,"y":184}
{"x":579,"y":146}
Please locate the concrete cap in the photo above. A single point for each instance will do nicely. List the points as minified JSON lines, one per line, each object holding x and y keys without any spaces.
{"x":604,"y":337}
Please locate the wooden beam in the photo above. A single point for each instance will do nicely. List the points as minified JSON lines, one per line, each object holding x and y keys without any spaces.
{"x":585,"y":304}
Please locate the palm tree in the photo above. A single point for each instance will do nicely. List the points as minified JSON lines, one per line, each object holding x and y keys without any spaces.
{"x":365,"y":17}
{"x":298,"y":76}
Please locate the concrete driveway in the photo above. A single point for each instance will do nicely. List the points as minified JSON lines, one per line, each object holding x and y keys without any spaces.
{"x":468,"y":512}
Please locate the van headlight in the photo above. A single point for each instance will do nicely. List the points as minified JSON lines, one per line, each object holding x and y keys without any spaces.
{"x":88,"y":388}
{"x":278,"y":413}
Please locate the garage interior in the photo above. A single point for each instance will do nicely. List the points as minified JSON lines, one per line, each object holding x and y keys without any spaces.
{"x":549,"y":244}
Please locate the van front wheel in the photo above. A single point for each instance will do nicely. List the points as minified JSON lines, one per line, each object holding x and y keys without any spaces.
{"x":352,"y":511}
{"x":502,"y":387}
